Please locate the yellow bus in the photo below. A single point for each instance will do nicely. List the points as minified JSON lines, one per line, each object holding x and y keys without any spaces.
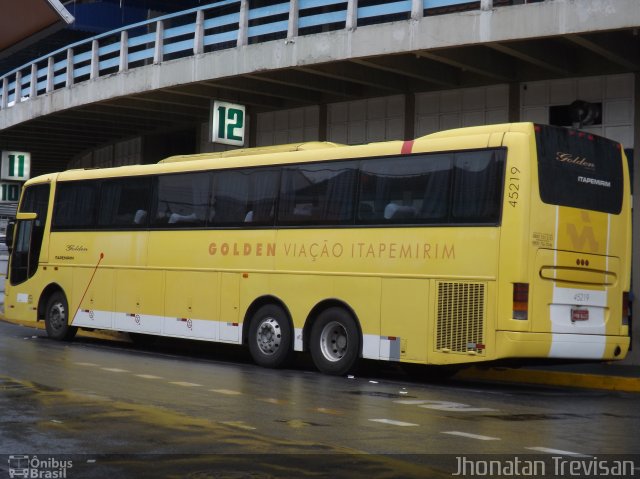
{"x":470,"y":245}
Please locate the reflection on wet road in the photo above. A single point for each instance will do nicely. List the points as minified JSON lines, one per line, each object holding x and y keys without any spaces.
{"x":192,"y":414}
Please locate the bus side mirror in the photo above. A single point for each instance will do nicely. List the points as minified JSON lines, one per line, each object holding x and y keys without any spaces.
{"x":11,"y":226}
{"x":8,"y":239}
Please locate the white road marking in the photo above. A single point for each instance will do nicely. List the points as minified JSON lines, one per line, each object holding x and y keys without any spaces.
{"x":148,"y":376}
{"x":115,"y":370}
{"x":325,"y":410}
{"x":86,"y":364}
{"x":557,"y":451}
{"x":273,"y":400}
{"x":239,"y":424}
{"x":471,"y":436}
{"x":394,"y":423}
{"x":228,"y":392}
{"x":453,"y":406}
{"x":443,"y":405}
{"x":186,"y":384}
{"x":456,"y":408}
{"x":410,"y":402}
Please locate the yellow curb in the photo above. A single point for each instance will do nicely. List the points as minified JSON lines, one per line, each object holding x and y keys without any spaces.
{"x":553,"y":378}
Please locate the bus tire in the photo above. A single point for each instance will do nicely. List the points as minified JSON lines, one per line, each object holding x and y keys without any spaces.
{"x":335,"y":342}
{"x":270,"y":336}
{"x":56,"y":318}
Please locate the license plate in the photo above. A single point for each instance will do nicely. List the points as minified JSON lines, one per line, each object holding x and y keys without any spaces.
{"x":579,"y":315}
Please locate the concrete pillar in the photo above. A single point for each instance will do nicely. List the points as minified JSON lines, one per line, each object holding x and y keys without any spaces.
{"x":352,"y":15}
{"x":69,"y":81}
{"x":50,"y":75}
{"x":292,"y":28}
{"x":634,"y":355}
{"x":252,"y":123}
{"x":409,"y":116}
{"x":124,"y":52}
{"x":486,"y":4}
{"x":5,"y":93}
{"x":198,"y":36}
{"x":417,"y":9}
{"x":323,"y":122}
{"x":95,"y":61}
{"x":18,"y":89}
{"x":243,"y":23}
{"x":514,"y":102}
{"x":159,"y":46}
{"x":33,"y":84}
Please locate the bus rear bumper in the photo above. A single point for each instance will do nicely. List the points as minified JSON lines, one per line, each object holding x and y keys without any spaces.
{"x":511,"y":344}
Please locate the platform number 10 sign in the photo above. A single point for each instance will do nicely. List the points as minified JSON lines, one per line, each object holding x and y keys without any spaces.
{"x":227,"y":123}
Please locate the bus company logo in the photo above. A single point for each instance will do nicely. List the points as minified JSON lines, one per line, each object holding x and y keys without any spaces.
{"x":575,"y":160}
{"x":77,"y":248}
{"x":36,"y":468}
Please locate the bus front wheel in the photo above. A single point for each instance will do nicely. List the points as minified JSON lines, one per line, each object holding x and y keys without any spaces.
{"x":56,"y":318}
{"x":270,"y":336}
{"x":334,"y":342}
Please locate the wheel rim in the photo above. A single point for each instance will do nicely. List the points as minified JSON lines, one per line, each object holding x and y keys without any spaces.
{"x":334,"y":341}
{"x":269,"y":336}
{"x":57,"y":316}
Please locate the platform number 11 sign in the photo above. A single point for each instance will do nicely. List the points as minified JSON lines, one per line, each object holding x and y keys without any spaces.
{"x":228,"y":123}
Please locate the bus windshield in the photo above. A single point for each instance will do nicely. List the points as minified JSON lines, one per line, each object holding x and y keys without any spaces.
{"x":586,"y":169}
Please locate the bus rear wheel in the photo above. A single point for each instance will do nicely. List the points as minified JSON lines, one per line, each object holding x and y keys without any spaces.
{"x":270,"y":336}
{"x":56,"y":318}
{"x":335,"y":342}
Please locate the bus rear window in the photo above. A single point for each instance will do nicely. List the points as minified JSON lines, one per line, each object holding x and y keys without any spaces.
{"x":579,"y":170}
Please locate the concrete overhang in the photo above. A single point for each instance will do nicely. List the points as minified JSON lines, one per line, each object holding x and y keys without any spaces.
{"x":559,"y":39}
{"x":26,"y":21}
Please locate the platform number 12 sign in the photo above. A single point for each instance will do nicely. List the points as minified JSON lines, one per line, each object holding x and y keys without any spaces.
{"x":228,"y":123}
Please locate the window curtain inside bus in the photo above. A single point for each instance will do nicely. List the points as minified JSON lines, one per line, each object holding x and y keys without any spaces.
{"x":319,"y":194}
{"x":437,"y":186}
{"x":75,"y":205}
{"x":477,"y":186}
{"x":231,"y":192}
{"x":183,"y":199}
{"x":338,"y":197}
{"x":405,"y":190}
{"x":264,"y":191}
{"x":125,"y":203}
{"x":200,"y":194}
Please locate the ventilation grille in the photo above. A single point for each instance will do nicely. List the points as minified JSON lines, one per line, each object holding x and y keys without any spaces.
{"x":461,"y":313}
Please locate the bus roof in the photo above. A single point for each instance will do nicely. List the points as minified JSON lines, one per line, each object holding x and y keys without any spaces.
{"x":287,"y":153}
{"x":523,"y":127}
{"x":259,"y":150}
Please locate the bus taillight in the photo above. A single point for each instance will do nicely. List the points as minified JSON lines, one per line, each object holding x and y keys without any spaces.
{"x":521,"y":301}
{"x":626,"y":309}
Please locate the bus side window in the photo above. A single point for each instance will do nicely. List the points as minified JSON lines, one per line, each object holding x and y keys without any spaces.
{"x":121,"y":199}
{"x":477,"y":186}
{"x":231,"y":197}
{"x":183,"y":200}
{"x":75,"y":204}
{"x":411,"y":189}
{"x":318,"y":193}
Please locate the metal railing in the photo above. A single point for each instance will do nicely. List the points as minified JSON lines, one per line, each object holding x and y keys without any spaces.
{"x":221,"y":25}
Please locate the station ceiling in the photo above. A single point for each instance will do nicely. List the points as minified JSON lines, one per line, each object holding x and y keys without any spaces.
{"x":25,"y":21}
